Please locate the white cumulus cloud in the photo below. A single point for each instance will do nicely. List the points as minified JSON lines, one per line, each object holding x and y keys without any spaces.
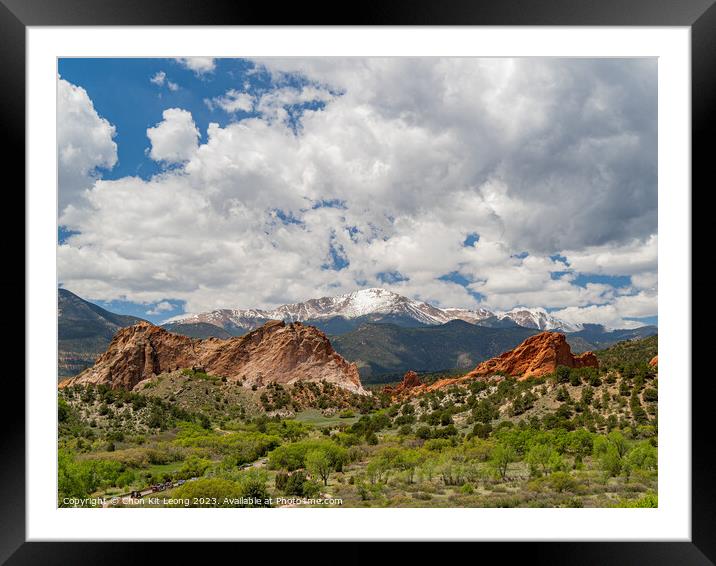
{"x":175,"y":138}
{"x":160,"y":307}
{"x":232,"y":101}
{"x":200,"y":65}
{"x":85,"y":142}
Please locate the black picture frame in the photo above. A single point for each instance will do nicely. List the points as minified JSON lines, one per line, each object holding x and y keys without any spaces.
{"x":699,"y":15}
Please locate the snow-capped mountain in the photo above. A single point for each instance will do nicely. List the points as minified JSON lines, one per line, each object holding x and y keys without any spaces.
{"x":539,"y":319}
{"x":373,"y":304}
{"x":351,"y":305}
{"x":362,"y":303}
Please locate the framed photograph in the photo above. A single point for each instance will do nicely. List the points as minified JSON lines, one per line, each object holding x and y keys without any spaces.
{"x":421,"y":276}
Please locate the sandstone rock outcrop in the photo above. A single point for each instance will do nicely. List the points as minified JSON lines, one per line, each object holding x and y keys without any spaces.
{"x":410,"y":381}
{"x":537,"y":356}
{"x":654,"y":362}
{"x":273,"y":353}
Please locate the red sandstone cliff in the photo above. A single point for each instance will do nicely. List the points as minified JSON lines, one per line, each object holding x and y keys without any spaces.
{"x":274,"y":353}
{"x":537,"y":356}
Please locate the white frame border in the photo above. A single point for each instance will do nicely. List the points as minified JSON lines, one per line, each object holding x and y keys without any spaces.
{"x":671,"y":521}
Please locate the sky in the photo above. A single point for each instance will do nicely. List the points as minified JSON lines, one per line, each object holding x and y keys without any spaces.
{"x":187,"y":185}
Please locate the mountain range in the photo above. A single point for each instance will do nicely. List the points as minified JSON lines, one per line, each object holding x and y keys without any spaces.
{"x":341,"y":314}
{"x":384,"y":333}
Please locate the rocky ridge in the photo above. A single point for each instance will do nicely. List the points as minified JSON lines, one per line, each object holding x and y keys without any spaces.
{"x":276,"y":352}
{"x":370,"y":302}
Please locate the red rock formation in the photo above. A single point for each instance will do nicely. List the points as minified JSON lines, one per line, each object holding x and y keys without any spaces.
{"x":274,"y":353}
{"x":537,"y":356}
{"x":654,"y":361}
{"x":410,"y":380}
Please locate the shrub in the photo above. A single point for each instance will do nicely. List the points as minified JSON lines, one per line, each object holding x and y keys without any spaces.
{"x":648,"y":500}
{"x":650,"y":395}
{"x":208,"y":492}
{"x":405,"y":430}
{"x":296,"y":484}
{"x":243,"y":447}
{"x":423,"y":432}
{"x":562,"y":374}
{"x":562,"y":481}
{"x":482,"y":430}
{"x":484,"y":412}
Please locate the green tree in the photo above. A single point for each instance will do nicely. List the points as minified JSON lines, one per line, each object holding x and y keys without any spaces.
{"x":319,"y":465}
{"x":580,"y":443}
{"x":587,"y":395}
{"x":502,"y":456}
{"x":617,"y":440}
{"x":611,"y":461}
{"x":542,"y":459}
{"x":643,"y":457}
{"x":63,"y":410}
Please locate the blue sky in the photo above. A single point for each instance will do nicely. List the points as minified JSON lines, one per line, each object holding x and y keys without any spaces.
{"x":358,"y":173}
{"x":123,"y":94}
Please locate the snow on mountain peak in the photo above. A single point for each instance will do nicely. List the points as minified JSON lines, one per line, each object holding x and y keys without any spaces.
{"x":371,"y":301}
{"x":538,"y":318}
